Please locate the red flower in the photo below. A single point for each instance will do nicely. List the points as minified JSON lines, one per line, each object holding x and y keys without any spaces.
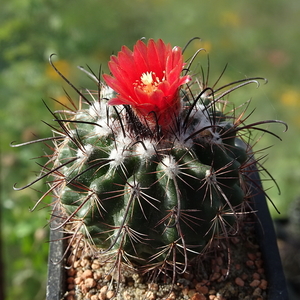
{"x":148,"y":79}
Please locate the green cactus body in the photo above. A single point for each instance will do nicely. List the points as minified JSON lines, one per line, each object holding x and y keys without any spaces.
{"x":150,"y":197}
{"x":150,"y":173}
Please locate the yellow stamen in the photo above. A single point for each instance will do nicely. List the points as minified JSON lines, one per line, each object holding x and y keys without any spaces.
{"x":148,"y":84}
{"x":146,"y":78}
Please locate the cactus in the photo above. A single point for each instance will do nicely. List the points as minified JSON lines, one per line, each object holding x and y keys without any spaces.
{"x":152,"y":170}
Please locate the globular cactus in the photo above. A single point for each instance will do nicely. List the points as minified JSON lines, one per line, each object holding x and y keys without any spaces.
{"x":151,"y":170}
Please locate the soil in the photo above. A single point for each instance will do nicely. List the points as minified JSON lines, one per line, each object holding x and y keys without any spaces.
{"x":233,"y":273}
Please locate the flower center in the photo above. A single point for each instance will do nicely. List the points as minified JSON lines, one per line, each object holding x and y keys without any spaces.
{"x":148,"y":82}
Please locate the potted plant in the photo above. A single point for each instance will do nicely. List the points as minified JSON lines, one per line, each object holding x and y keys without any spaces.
{"x":156,"y":191}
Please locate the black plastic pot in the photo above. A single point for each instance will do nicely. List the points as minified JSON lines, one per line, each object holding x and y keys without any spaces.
{"x":56,"y":285}
{"x":277,"y":288}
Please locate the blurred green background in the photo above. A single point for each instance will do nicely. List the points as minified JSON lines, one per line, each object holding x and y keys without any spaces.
{"x":255,"y":38}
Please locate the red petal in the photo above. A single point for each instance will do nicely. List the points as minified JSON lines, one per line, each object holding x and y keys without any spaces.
{"x":126,"y":51}
{"x":177,"y":84}
{"x":140,"y":96}
{"x":140,"y":58}
{"x":120,"y":101}
{"x":163,"y":51}
{"x":115,"y":101}
{"x":110,"y":81}
{"x":157,"y":98}
{"x":185,"y":79}
{"x":126,"y":63}
{"x":116,"y":85}
{"x":164,"y":87}
{"x":174,"y":75}
{"x":122,"y":76}
{"x":174,"y":62}
{"x":154,"y":59}
{"x":114,"y":59}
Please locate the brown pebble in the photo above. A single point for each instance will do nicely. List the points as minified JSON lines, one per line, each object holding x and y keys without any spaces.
{"x":104,"y":289}
{"x":219,"y":261}
{"x":239,"y":281}
{"x":76,"y":264}
{"x":71,"y":293}
{"x":126,"y":295}
{"x":257,"y":292}
{"x":255,"y":276}
{"x":224,"y":271}
{"x":150,"y":295}
{"x":84,"y":289}
{"x":251,"y":256}
{"x":130,"y":283}
{"x":87,"y":274}
{"x":191,"y":293}
{"x":94,"y":297}
{"x":255,"y":283}
{"x":237,"y":266}
{"x":205,"y":282}
{"x":244,"y":276}
{"x":110,"y":294}
{"x":102,"y":296}
{"x":153,"y":286}
{"x":77,"y":280}
{"x":70,"y":279}
{"x":198,"y":296}
{"x":250,"y":263}
{"x":263,"y":284}
{"x":97,"y":275}
{"x":184,"y":291}
{"x":88,"y":296}
{"x":71,"y":287}
{"x":215,"y":276}
{"x":84,"y":262}
{"x":259,"y":263}
{"x":107,"y":277}
{"x":70,"y":297}
{"x":90,"y":282}
{"x":95,"y":265}
{"x":71,"y":272}
{"x":201,"y":288}
{"x":172,"y":296}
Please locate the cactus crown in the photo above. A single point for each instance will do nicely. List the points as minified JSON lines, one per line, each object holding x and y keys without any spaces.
{"x":151,"y":170}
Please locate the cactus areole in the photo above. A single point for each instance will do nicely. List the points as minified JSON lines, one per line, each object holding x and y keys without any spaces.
{"x":153,"y":170}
